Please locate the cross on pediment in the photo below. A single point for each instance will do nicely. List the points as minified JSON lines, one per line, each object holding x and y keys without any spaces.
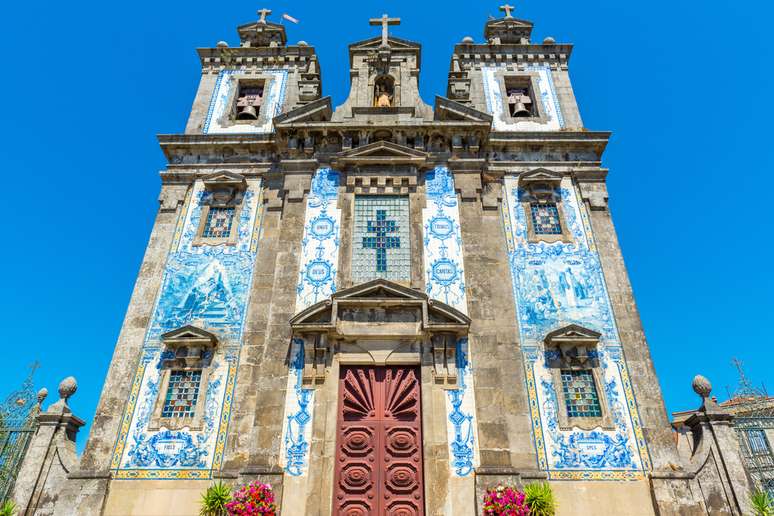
{"x":381,"y":227}
{"x":263,"y":13}
{"x":385,"y":21}
{"x":507,"y":9}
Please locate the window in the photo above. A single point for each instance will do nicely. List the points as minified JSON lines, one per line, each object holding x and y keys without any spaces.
{"x":380,"y":247}
{"x":540,"y":195}
{"x":758,"y":443}
{"x":184,"y":370}
{"x":580,"y":393}
{"x":249,"y":101}
{"x":182,"y":393}
{"x":545,"y":218}
{"x":572,"y":357}
{"x":221,"y":207}
{"x":218,"y":223}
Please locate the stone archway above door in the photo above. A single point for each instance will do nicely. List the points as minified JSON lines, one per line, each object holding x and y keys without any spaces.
{"x":378,"y":323}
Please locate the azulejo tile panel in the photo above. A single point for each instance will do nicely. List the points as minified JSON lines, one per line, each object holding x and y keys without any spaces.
{"x":207,"y":286}
{"x":444,"y":274}
{"x":461,"y":426}
{"x":225,"y":89}
{"x":501,"y":119}
{"x":445,"y":281}
{"x":556,"y":284}
{"x":299,"y":407}
{"x":320,"y":245}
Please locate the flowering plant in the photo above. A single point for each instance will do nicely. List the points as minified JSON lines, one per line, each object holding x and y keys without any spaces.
{"x":254,"y":499}
{"x":505,"y":501}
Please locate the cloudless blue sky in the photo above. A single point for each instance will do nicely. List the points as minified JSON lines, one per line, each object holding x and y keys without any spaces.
{"x":685,"y":86}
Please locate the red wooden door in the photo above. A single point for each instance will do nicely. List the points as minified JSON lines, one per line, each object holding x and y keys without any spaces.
{"x":379,"y":443}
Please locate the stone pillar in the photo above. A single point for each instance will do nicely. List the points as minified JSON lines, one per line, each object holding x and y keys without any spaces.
{"x":50,"y":456}
{"x":716,"y":457}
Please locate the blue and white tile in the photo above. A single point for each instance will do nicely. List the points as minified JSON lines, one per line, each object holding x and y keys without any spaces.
{"x":556,"y":284}
{"x":299,"y":411}
{"x":496,"y":106}
{"x":320,"y":244}
{"x":461,"y":428}
{"x":207,"y":286}
{"x":226,"y":83}
{"x":443,"y":259}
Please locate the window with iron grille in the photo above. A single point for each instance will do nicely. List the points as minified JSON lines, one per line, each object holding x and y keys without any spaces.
{"x":545,"y":218}
{"x":580,"y":393}
{"x":380,"y":246}
{"x":757,"y":441}
{"x":182,"y":393}
{"x":219,"y":222}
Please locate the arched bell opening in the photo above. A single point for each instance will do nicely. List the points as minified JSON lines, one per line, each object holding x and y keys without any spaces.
{"x":249,"y":101}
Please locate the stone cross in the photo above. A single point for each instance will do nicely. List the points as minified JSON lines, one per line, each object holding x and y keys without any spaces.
{"x":263,"y":13}
{"x":384,"y":21}
{"x":507,"y":9}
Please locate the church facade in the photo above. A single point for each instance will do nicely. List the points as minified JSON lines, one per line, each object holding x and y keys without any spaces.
{"x":384,"y":307}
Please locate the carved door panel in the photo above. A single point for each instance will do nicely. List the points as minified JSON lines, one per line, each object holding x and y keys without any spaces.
{"x":379,"y":446}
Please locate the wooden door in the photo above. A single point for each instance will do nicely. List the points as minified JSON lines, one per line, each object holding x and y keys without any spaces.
{"x":379,"y":443}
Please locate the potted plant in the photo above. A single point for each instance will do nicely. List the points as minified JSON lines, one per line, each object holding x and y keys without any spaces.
{"x":540,"y":499}
{"x":214,"y":500}
{"x":254,"y":499}
{"x":505,"y":501}
{"x":762,"y":503}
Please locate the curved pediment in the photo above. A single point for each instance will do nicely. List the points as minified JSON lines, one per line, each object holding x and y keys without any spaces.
{"x":380,"y":308}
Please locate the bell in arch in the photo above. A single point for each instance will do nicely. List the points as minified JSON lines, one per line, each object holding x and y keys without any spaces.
{"x":519,"y":103}
{"x":249,"y":103}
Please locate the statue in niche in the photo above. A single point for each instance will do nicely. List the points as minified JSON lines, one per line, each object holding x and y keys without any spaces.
{"x":384,"y":90}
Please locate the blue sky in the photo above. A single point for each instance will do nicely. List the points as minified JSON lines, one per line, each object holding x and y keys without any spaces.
{"x":684,"y":86}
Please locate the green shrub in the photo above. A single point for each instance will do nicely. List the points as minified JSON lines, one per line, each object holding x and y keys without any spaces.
{"x":8,"y":508}
{"x":763,"y":503}
{"x":540,"y":499}
{"x":214,"y":500}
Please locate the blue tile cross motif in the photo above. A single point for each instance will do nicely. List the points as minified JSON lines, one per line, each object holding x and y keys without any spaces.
{"x":381,"y":242}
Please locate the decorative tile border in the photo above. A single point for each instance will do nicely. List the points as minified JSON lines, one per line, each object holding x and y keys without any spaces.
{"x":502,"y":121}
{"x":461,"y":425}
{"x":554,"y":285}
{"x":299,"y":409}
{"x":272,"y":103}
{"x":444,"y":267}
{"x":208,"y":286}
{"x":320,"y":245}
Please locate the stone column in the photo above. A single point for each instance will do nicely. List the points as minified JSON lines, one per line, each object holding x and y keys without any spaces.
{"x":50,"y":456}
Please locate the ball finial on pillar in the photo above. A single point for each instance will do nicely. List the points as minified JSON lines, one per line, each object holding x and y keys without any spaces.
{"x":67,"y":387}
{"x":701,"y":386}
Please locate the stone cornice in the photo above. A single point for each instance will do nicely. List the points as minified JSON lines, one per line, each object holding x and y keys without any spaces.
{"x":468,"y":56}
{"x":255,"y":56}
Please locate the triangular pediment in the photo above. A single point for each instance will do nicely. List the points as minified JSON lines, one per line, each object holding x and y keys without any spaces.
{"x":382,"y":152}
{"x":376,"y":42}
{"x":540,"y":175}
{"x":447,"y":109}
{"x":317,"y":111}
{"x":189,"y":332}
{"x":262,"y":34}
{"x":572,"y":333}
{"x":224,"y":178}
{"x":509,"y":23}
